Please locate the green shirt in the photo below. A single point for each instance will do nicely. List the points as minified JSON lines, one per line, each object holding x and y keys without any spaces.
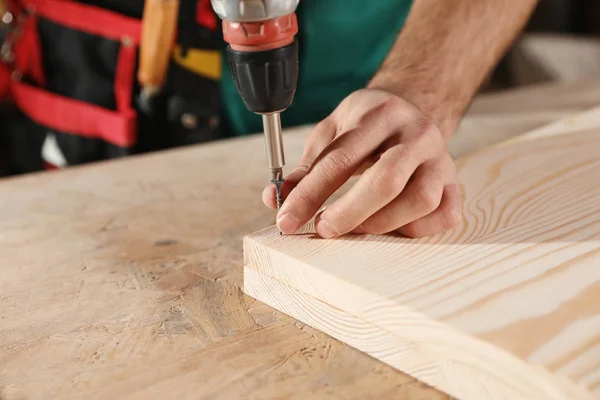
{"x":342,"y":44}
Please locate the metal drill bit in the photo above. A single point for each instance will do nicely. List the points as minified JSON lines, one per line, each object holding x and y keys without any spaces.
{"x":274,"y":147}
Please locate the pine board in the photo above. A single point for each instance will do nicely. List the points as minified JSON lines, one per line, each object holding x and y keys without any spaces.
{"x":506,"y":306}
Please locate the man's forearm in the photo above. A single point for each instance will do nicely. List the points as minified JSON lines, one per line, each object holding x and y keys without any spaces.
{"x":445,"y":51}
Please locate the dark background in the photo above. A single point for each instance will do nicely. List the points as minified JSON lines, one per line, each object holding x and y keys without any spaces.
{"x":573,"y":16}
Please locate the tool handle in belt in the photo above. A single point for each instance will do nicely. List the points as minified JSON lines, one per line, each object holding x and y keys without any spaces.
{"x":3,"y":8}
{"x":159,"y":25}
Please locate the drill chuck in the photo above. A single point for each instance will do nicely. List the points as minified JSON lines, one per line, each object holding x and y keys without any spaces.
{"x":263,"y":59}
{"x":266,"y":80}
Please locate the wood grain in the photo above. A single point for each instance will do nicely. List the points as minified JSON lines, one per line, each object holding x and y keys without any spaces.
{"x":505,"y":306}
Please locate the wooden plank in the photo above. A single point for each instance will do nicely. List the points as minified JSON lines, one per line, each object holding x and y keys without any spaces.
{"x":506,"y":306}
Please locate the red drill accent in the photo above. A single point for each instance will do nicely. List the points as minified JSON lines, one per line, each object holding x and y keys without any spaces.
{"x":263,"y":35}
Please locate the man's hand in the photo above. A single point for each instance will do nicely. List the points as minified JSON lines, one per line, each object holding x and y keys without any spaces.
{"x":410,"y":185}
{"x":399,"y":125}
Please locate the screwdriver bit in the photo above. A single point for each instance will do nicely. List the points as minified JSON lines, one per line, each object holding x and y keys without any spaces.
{"x":274,"y":148}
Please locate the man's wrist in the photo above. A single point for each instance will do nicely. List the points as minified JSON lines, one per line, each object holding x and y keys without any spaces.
{"x":445,"y":51}
{"x":441,"y":107}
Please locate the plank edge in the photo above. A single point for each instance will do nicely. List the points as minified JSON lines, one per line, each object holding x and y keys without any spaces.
{"x":443,"y":373}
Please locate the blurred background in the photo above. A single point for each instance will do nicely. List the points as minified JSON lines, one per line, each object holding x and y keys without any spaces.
{"x":560,"y":46}
{"x":561,"y":43}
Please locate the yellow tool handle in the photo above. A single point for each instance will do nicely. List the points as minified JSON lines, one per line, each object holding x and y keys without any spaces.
{"x":159,"y":26}
{"x":3,"y":8}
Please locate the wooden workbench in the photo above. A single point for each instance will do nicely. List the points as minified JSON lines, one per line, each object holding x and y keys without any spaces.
{"x":121,"y":280}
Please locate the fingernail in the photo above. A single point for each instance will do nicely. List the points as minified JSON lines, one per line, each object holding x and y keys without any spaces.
{"x":288,"y":223}
{"x":324,"y":229}
{"x":359,"y":229}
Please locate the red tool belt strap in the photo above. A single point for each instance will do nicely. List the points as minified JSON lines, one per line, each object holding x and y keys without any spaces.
{"x":62,"y":113}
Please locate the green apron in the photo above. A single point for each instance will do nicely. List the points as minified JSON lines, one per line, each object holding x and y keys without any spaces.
{"x":342,"y":44}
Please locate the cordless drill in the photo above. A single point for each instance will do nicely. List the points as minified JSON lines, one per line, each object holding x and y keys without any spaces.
{"x":263,"y":57}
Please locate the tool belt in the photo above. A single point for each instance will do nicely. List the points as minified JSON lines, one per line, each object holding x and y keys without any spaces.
{"x":68,"y":83}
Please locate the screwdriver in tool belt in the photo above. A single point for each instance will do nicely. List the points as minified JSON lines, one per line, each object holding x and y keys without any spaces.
{"x":159,"y":27}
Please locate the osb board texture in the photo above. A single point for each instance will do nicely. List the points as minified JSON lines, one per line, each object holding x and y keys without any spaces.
{"x":514,"y":292}
{"x":122,"y":280}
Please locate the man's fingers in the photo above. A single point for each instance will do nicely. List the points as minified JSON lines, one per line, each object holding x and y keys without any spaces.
{"x":358,"y":134}
{"x":385,"y":181}
{"x":322,"y":134}
{"x":447,"y":216}
{"x":330,"y":170}
{"x":375,"y":189}
{"x":320,"y":137}
{"x":422,"y":196}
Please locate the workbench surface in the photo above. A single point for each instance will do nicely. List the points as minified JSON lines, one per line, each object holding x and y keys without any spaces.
{"x":122,"y":280}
